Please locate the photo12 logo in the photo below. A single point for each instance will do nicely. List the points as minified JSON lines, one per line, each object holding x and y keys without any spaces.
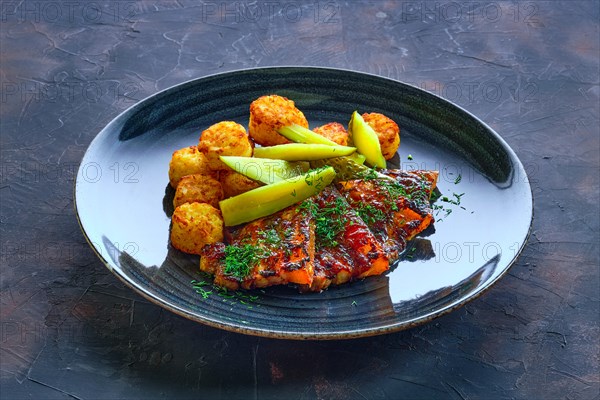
{"x":467,"y":93}
{"x":267,"y":11}
{"x":55,"y":11}
{"x":35,"y":172}
{"x":59,"y":253}
{"x":28,"y":172}
{"x":22,"y":333}
{"x":124,"y":172}
{"x":470,"y":252}
{"x":471,"y":11}
{"x":70,"y":91}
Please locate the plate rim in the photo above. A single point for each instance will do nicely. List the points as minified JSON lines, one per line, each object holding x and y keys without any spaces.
{"x":314,"y":335}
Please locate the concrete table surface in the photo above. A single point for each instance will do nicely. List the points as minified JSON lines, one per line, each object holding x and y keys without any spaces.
{"x":70,"y":329}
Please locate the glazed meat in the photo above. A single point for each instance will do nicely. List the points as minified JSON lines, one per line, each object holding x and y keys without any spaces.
{"x":345,"y":247}
{"x":273,"y":250}
{"x":347,"y":232}
{"x":395,"y":211}
{"x":420,"y":184}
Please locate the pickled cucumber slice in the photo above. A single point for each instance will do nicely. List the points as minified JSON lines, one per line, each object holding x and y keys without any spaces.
{"x":265,"y":170}
{"x":300,"y":134}
{"x":366,"y":141}
{"x":302,"y":151}
{"x":269,"y":199}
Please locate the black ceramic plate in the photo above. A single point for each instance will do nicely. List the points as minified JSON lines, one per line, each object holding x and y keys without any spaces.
{"x":123,"y":206}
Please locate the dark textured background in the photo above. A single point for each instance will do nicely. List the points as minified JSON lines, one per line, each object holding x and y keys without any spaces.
{"x":70,"y":329}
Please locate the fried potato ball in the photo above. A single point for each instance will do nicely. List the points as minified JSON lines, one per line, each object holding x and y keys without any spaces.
{"x":387,"y":132}
{"x":334,"y":131}
{"x":226,"y":138}
{"x":187,"y":161}
{"x":194,"y":226}
{"x":267,"y":114}
{"x":235,"y":183}
{"x":198,"y":188}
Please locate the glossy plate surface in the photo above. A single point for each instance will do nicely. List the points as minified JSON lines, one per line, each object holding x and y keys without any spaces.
{"x":123,"y":204}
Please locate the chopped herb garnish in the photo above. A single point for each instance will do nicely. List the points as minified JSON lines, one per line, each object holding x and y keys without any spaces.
{"x":458,"y":179}
{"x":328,"y":220}
{"x":288,"y":233}
{"x":231,"y":297}
{"x":269,"y":236}
{"x":310,"y":177}
{"x":370,"y":214}
{"x":354,"y":303}
{"x":410,"y":253}
{"x":369,"y":175}
{"x":410,"y":157}
{"x":198,"y":286}
{"x":240,"y":259}
{"x":455,"y":201}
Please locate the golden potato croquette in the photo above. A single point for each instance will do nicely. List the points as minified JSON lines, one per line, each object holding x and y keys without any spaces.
{"x":234,"y":183}
{"x":194,"y":226}
{"x":226,"y":138}
{"x":334,"y":131}
{"x":387,"y":132}
{"x":269,"y":113}
{"x":198,"y":188}
{"x":187,"y":161}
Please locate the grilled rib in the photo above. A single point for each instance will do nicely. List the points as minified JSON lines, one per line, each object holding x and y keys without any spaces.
{"x":284,"y":246}
{"x":345,"y":247}
{"x":395,"y":211}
